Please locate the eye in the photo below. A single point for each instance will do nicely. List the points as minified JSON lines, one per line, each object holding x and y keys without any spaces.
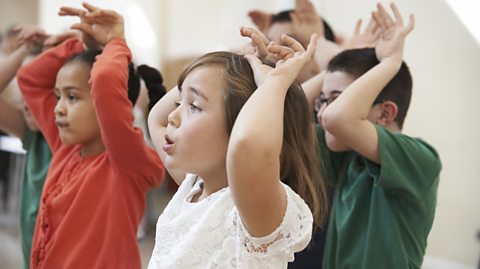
{"x":177,"y":104}
{"x":72,"y":97}
{"x":194,"y":108}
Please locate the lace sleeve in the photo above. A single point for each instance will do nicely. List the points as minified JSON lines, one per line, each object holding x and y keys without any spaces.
{"x":293,"y":234}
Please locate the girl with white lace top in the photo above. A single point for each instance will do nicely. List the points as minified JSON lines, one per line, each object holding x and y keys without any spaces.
{"x":236,"y":136}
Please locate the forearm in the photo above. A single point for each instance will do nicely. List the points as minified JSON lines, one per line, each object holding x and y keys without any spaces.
{"x":10,"y":65}
{"x":11,"y":119}
{"x":313,"y":87}
{"x":158,"y":118}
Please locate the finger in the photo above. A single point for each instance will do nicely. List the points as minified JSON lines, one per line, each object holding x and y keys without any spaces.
{"x":385,"y":17}
{"x":83,"y":27}
{"x":259,"y":45}
{"x":372,"y":26}
{"x":378,"y":20}
{"x":411,"y":24}
{"x":280,"y":52}
{"x":253,"y":61}
{"x":70,"y":11}
{"x":292,"y":43}
{"x":312,"y":46}
{"x":358,"y":26}
{"x":396,"y":13}
{"x":89,"y":7}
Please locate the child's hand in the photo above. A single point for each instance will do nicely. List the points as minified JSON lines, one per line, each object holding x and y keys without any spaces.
{"x":393,"y":33}
{"x":258,"y":44}
{"x":366,"y":39}
{"x":306,"y":21}
{"x":261,"y":19}
{"x":31,"y":36}
{"x":291,"y":59}
{"x":97,"y":25}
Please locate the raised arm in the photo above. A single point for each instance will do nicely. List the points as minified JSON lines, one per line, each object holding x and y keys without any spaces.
{"x":11,"y":118}
{"x":123,"y":142}
{"x":253,"y":155}
{"x":346,"y":118}
{"x":157,"y":125}
{"x":36,"y":81}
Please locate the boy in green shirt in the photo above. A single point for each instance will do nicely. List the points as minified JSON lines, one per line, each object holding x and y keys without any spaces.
{"x":386,"y":182}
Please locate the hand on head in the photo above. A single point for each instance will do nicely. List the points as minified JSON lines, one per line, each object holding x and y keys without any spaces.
{"x":392,"y":33}
{"x":290,"y":60}
{"x":366,"y":39}
{"x":98,"y":26}
{"x":258,"y":44}
{"x":306,"y":21}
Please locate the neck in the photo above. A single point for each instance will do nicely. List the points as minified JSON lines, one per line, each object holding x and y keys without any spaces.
{"x":213,"y":183}
{"x":93,"y":148}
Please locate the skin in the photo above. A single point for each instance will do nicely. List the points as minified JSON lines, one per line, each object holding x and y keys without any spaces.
{"x":74,"y":113}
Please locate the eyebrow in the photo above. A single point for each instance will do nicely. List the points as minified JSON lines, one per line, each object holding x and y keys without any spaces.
{"x":198,"y":93}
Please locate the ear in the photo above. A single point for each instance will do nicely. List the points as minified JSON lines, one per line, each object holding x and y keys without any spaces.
{"x":388,"y":110}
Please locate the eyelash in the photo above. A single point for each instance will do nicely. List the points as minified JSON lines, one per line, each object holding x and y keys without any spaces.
{"x":192,"y":107}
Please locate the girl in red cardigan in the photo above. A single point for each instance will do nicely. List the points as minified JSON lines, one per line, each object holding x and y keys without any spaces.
{"x":94,"y":195}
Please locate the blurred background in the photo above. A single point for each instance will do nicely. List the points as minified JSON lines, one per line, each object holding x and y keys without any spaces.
{"x":443,"y":53}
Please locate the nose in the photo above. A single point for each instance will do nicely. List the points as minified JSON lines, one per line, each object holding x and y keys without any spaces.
{"x":173,"y":118}
{"x":59,"y":109}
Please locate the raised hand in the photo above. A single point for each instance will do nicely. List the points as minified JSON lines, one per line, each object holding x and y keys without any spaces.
{"x":258,"y":44}
{"x":393,"y":33}
{"x":366,"y":39}
{"x":98,"y":26}
{"x":306,"y":21}
{"x":290,"y":60}
{"x":261,"y":19}
{"x":30,"y":36}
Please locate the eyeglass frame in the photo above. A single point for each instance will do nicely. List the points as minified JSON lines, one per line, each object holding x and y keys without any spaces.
{"x":319,"y":102}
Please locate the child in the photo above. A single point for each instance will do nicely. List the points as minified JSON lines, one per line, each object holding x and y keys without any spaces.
{"x":386,"y":182}
{"x":231,"y":209}
{"x":21,"y":124}
{"x":94,"y":195}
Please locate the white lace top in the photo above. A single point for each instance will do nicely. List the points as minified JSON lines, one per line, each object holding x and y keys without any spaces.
{"x":210,"y":233}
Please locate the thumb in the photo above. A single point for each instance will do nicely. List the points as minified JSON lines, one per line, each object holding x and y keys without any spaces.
{"x":253,"y":60}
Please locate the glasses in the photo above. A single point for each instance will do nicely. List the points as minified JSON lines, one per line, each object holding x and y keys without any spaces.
{"x":319,"y":102}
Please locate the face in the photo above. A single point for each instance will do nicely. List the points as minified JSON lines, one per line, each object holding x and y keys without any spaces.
{"x":334,"y":84}
{"x":196,"y":138}
{"x":74,"y":113}
{"x":274,"y":33}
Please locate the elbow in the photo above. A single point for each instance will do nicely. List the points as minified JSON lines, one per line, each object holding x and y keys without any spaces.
{"x":333,"y":121}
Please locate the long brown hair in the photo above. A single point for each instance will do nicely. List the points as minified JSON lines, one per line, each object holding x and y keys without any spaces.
{"x":299,"y":162}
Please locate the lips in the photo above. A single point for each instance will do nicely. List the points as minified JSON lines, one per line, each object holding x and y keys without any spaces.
{"x":169,"y":144}
{"x":61,"y":124}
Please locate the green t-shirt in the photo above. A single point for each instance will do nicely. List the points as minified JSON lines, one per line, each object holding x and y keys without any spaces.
{"x":35,"y":171}
{"x":381,"y":215}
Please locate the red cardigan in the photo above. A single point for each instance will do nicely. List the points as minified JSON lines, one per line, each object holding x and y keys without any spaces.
{"x":90,"y":207}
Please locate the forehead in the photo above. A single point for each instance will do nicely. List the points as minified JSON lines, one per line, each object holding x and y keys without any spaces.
{"x":74,"y":74}
{"x":277,"y":29}
{"x":207,"y":79}
{"x":336,"y":81}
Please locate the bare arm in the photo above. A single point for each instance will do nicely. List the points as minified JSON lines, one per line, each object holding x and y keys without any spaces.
{"x":253,"y":154}
{"x":157,"y":126}
{"x":346,"y":118}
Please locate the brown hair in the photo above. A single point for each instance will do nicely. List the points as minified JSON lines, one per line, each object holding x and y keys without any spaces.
{"x":298,"y":161}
